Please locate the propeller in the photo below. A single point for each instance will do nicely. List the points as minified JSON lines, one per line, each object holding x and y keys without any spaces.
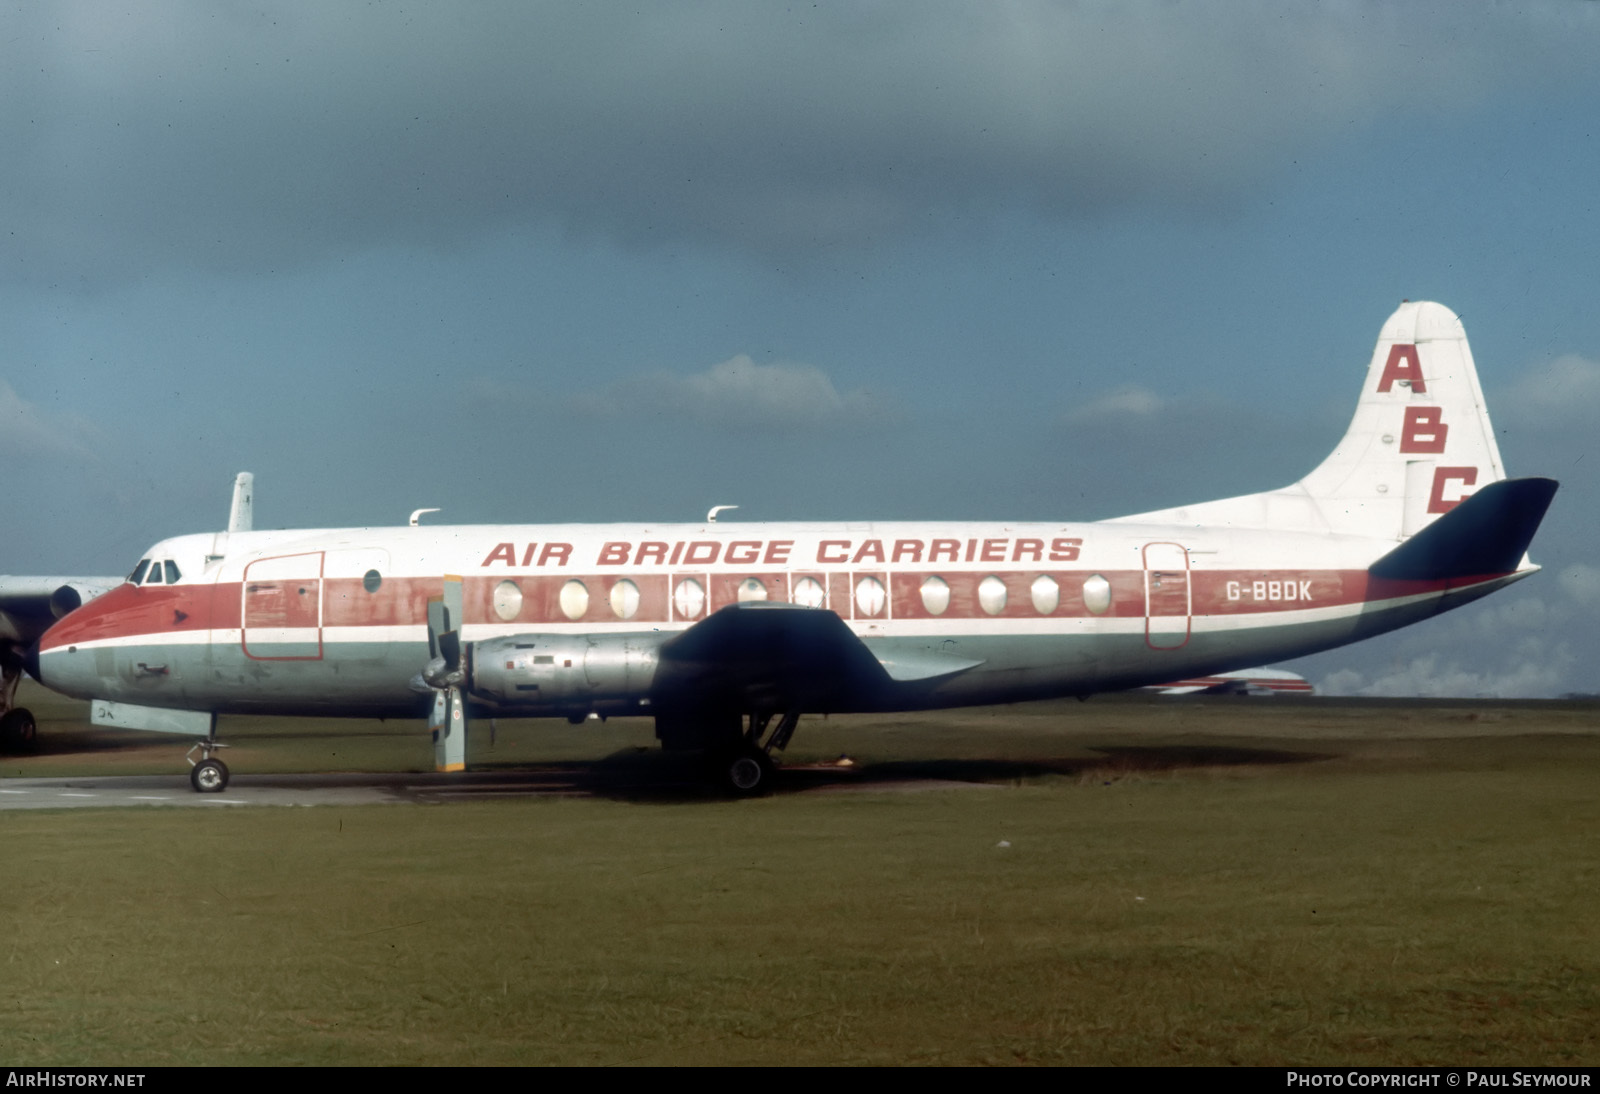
{"x":446,"y":676}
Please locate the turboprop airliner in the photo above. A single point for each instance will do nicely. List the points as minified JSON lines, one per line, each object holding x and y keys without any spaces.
{"x":725,"y":633}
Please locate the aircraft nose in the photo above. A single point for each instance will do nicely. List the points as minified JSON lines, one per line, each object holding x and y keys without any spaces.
{"x":66,"y":669}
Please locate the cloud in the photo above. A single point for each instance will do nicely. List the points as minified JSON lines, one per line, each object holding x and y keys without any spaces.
{"x":25,"y":429}
{"x":1129,"y":400}
{"x":1566,"y":391}
{"x":738,"y":395}
{"x":183,"y":133}
{"x":1430,"y":676}
{"x":1517,"y":644}
{"x":1581,"y":583}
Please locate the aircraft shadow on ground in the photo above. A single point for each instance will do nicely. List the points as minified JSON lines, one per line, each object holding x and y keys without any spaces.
{"x":649,"y":775}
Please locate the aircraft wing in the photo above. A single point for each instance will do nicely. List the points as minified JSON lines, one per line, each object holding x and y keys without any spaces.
{"x":776,"y":655}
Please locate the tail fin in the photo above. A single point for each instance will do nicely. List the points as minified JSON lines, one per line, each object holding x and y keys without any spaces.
{"x":1419,"y":444}
{"x":1420,"y":441}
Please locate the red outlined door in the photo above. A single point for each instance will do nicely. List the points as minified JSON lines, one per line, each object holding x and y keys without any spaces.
{"x":282,"y":610}
{"x":1167,"y":601}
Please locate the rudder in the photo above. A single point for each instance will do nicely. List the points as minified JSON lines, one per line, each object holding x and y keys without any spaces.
{"x":1420,"y":441}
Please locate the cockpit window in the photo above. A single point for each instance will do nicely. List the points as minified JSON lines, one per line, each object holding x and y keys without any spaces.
{"x":154,"y":576}
{"x":172,"y":572}
{"x":138,"y":571}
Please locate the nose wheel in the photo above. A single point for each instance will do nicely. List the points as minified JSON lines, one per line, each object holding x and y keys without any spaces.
{"x":210,"y":775}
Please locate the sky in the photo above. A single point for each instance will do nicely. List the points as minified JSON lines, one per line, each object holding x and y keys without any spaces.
{"x":591,"y":262}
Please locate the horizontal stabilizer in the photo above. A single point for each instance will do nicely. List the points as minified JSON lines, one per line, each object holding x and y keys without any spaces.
{"x":1488,"y":533}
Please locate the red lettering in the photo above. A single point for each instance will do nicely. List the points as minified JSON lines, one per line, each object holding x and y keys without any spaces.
{"x":1034,"y":548}
{"x":824,"y":556}
{"x":696,"y":554}
{"x":558,"y":551}
{"x":872,"y":548}
{"x":614,"y":554}
{"x":504,"y":551}
{"x":1466,"y":476}
{"x":778,"y":552}
{"x":651,"y":552}
{"x":1424,"y":430}
{"x":950,"y":548}
{"x":908,"y":547}
{"x":972,"y":546}
{"x":747,"y":551}
{"x":994,"y":550}
{"x":677,"y":552}
{"x":1402,"y":365}
{"x":1064,"y":550}
{"x":527,"y":556}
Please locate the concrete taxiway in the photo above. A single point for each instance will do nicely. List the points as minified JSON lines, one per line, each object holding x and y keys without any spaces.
{"x":123,"y":791}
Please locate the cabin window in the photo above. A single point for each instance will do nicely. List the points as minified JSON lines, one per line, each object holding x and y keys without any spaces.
{"x":625,"y":599}
{"x":1096,"y":594}
{"x":574,"y":599}
{"x":688,"y":599}
{"x":992,"y":595}
{"x":751,"y":589}
{"x":808,"y":593}
{"x":1046,"y":594}
{"x":371,"y":580}
{"x":870,"y":596}
{"x":507,"y":600}
{"x":935,"y":595}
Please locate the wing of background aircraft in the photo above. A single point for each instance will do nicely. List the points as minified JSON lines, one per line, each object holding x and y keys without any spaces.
{"x":28,"y":607}
{"x":1242,"y":682}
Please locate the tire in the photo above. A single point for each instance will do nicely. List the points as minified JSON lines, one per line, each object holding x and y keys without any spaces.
{"x":746,"y":773}
{"x":18,"y":731}
{"x":209,"y":777}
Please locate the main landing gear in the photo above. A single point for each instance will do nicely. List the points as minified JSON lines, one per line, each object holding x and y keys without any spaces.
{"x":210,"y":775}
{"x":746,"y":769}
{"x":18,"y":731}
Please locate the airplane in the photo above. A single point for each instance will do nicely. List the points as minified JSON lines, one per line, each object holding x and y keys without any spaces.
{"x":1258,"y":681}
{"x":29,"y":605}
{"x":725,"y":633}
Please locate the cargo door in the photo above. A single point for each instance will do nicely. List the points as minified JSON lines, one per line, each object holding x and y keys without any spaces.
{"x":282,"y":611}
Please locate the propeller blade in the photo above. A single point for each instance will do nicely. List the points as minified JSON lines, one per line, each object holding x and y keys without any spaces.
{"x":438,"y":623}
{"x":447,"y":672}
{"x":450,"y":741}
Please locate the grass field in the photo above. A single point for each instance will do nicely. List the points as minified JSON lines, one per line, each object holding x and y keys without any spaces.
{"x":1122,"y":881}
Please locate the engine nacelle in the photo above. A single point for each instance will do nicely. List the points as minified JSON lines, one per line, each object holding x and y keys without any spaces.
{"x":565,"y":671}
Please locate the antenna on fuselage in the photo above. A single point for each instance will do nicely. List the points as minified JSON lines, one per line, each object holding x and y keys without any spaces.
{"x":711,"y":517}
{"x":241,"y":515}
{"x":419,"y":513}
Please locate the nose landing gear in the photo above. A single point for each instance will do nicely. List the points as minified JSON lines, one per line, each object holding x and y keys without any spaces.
{"x":210,"y":775}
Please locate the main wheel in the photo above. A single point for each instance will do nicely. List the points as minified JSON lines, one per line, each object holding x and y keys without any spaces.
{"x":18,"y":731}
{"x":746,"y":773}
{"x":209,"y":777}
